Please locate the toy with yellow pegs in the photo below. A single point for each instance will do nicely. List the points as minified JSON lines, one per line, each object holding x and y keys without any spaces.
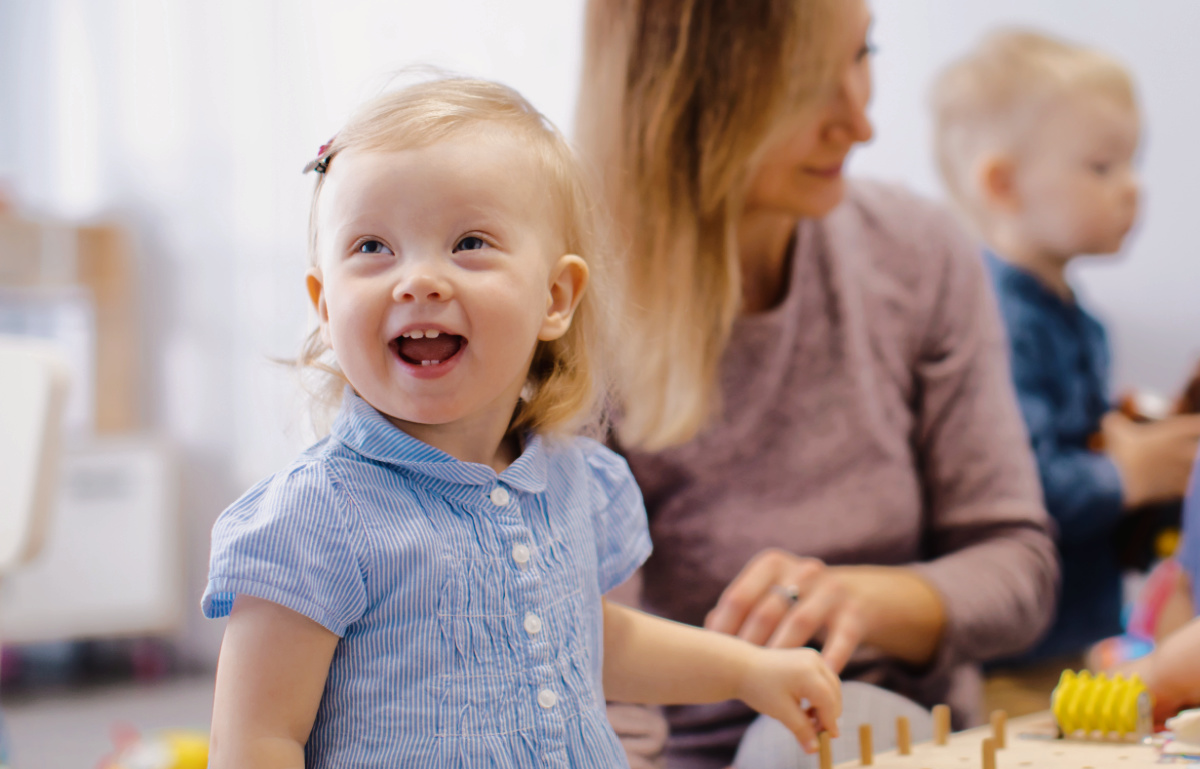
{"x":1094,"y":722}
{"x":1032,"y":741}
{"x":1091,"y":706}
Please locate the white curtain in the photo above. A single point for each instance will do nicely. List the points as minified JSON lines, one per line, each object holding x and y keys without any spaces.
{"x":191,"y":121}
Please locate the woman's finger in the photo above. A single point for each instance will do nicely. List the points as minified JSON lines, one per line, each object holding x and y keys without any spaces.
{"x":796,"y":580}
{"x":844,"y":636}
{"x":745,"y":591}
{"x":812,"y":613}
{"x":761,"y":623}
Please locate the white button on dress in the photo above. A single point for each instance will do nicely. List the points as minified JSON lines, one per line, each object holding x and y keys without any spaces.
{"x":499,"y":496}
{"x":533,"y":624}
{"x":547,"y":698}
{"x":520,"y":554}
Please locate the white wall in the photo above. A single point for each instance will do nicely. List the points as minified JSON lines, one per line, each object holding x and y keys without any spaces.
{"x":192,"y":121}
{"x":1149,"y":296}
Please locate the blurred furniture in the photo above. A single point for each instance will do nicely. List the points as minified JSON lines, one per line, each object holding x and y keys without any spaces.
{"x":77,"y":284}
{"x":111,"y":565}
{"x":33,"y":393}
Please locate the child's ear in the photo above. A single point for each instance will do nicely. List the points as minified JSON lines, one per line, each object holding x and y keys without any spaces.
{"x":314,"y":280}
{"x":568,"y":279}
{"x":996,"y":180}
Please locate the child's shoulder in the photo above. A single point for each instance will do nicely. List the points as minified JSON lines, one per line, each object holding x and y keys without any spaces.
{"x":588,"y":454}
{"x":580,"y":465}
{"x":326,"y":476}
{"x":1030,"y":307}
{"x":302,"y":485}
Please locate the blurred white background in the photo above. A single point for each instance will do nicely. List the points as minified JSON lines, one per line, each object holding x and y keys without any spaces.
{"x":190,"y":122}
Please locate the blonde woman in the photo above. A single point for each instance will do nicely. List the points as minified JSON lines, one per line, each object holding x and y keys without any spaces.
{"x":815,"y":399}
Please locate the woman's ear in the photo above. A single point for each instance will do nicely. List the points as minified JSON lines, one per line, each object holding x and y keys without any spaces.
{"x":568,"y":279}
{"x":316,"y":294}
{"x":995,"y":177}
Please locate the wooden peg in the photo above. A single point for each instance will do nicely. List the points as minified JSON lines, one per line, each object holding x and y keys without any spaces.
{"x":864,"y":744}
{"x":989,"y":753}
{"x":941,"y":724}
{"x":826,"y":751}
{"x":903,"y":736}
{"x":999,"y":726}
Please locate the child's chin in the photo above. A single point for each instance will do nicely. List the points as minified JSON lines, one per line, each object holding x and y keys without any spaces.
{"x":435,"y":415}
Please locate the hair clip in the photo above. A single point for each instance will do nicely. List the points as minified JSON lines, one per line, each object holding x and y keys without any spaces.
{"x":321,"y":163}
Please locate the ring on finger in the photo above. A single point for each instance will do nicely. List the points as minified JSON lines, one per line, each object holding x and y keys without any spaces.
{"x":789,"y":593}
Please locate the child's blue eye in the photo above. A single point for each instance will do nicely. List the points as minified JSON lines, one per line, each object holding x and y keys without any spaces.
{"x":470,"y":243}
{"x":373,"y":247}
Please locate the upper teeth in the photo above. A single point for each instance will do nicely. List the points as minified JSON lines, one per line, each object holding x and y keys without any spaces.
{"x":421,"y":333}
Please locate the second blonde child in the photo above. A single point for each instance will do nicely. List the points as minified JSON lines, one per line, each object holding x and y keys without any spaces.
{"x":1037,"y":140}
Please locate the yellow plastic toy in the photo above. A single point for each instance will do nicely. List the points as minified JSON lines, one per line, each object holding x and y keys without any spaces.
{"x":165,"y":750}
{"x":1103,"y":706}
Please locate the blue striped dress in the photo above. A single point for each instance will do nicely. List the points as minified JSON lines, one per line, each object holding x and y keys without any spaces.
{"x":467,"y":602}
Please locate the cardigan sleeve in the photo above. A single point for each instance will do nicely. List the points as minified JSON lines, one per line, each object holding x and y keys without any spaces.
{"x":989,"y":547}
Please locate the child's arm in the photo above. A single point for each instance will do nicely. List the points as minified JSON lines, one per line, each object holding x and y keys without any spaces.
{"x":1155,"y":459}
{"x":1178,"y":609}
{"x":1172,"y":671}
{"x":270,"y":677}
{"x":656,"y":661}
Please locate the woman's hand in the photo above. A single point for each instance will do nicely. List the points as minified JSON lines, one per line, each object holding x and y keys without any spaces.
{"x":783,"y":601}
{"x":777,"y":681}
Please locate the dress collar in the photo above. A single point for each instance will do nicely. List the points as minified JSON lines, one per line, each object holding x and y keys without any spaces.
{"x":361,"y":428}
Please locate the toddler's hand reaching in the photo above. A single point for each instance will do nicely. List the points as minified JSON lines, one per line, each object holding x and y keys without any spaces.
{"x":1154,"y":459}
{"x":777,"y":682}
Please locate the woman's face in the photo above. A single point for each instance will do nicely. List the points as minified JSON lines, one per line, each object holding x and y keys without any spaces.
{"x":799,"y":172}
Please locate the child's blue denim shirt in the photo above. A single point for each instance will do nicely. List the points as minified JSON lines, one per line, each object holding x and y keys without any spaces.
{"x":468,"y":602}
{"x":1060,"y":366}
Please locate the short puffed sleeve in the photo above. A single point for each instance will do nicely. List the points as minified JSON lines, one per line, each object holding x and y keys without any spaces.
{"x":289,"y":540}
{"x":619,"y":517}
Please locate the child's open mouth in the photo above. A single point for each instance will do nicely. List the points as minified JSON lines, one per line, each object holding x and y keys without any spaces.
{"x":427,"y":347}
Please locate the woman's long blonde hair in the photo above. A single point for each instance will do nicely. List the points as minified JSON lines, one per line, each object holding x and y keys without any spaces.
{"x":678,"y":97}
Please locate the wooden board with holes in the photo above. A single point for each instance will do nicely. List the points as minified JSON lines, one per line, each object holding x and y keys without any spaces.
{"x":1029,"y":742}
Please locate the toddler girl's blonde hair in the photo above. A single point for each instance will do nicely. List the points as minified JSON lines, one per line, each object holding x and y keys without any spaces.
{"x":993,"y":98}
{"x":565,"y":386}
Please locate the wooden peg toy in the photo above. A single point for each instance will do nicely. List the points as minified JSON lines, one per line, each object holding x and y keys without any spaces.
{"x":999,"y":725}
{"x":826,"y":750}
{"x":941,"y":724}
{"x":989,"y":753}
{"x":903,"y":736}
{"x":864,"y":744}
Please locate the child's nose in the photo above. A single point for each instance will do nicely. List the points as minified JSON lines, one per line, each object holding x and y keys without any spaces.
{"x":422,"y":285}
{"x":1133,"y":190}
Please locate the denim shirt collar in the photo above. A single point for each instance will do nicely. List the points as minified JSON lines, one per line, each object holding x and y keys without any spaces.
{"x":369,"y":433}
{"x":1025,"y":283}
